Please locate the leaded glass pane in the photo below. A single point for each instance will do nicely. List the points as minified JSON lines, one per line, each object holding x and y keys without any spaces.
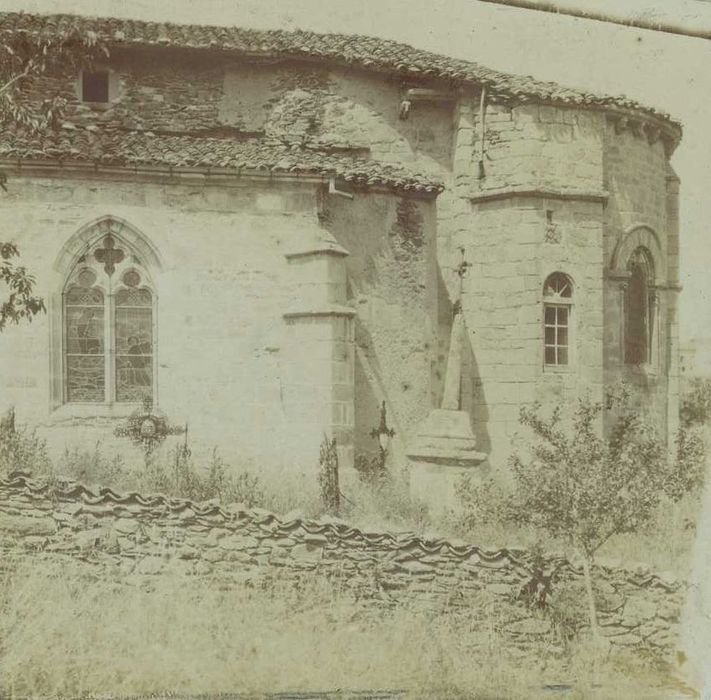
{"x":84,"y":333}
{"x":85,"y":330}
{"x":85,"y":378}
{"x":83,"y":296}
{"x":133,"y":297}
{"x":131,"y":278}
{"x":134,"y":345}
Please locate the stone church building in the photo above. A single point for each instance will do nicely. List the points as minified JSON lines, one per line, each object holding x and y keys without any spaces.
{"x":268,"y":236}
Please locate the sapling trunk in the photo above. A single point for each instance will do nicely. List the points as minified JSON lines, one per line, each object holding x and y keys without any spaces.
{"x":592,"y":610}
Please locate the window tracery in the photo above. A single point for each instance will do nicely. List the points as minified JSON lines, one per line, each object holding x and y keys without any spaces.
{"x":108,"y":325}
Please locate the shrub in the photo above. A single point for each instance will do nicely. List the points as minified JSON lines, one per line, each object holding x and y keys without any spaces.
{"x":177,"y":475}
{"x":695,"y":403}
{"x":370,"y":468}
{"x":484,"y":502}
{"x":21,"y":449}
{"x":328,"y":476}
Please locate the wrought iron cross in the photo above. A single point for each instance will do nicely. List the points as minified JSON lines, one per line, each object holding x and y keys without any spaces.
{"x":109,"y":255}
{"x":148,"y":428}
{"x":383,"y":433}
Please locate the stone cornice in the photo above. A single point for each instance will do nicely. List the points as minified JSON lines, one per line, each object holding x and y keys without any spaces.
{"x":644,"y":125}
{"x":599,"y":196}
{"x":324,"y":247}
{"x":322,"y":311}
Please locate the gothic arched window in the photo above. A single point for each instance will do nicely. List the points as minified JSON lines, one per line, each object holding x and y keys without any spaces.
{"x":639,"y":308}
{"x":557,"y":307}
{"x":108,"y":327}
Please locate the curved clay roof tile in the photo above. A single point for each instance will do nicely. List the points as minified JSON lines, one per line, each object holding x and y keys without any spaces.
{"x":373,"y":52}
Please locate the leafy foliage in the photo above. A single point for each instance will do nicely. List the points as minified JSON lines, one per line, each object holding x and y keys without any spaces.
{"x":484,"y":502}
{"x":584,"y":487}
{"x":371,"y":468}
{"x":178,"y":475}
{"x":21,"y":449}
{"x":25,"y":57}
{"x":21,"y":302}
{"x":695,"y":408}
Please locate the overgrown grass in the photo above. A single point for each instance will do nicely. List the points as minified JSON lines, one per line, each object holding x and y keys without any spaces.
{"x":171,"y":472}
{"x":65,"y":633}
{"x":384,"y":503}
{"x":664,"y":544}
{"x":379,"y":504}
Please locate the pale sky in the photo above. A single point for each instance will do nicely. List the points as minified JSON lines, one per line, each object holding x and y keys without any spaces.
{"x":664,"y":70}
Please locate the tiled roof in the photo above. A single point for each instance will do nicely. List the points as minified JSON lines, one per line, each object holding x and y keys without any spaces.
{"x":127,"y":148}
{"x":360,"y":51}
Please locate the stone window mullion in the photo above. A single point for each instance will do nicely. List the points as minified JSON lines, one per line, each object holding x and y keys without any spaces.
{"x":110,"y":336}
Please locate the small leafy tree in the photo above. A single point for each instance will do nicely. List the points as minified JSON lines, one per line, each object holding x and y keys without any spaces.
{"x":585,"y":488}
{"x":24,"y":57}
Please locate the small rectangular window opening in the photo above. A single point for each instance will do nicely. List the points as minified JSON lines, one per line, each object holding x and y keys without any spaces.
{"x":95,"y":86}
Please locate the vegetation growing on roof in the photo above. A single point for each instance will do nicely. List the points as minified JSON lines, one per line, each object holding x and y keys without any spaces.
{"x":370,"y":53}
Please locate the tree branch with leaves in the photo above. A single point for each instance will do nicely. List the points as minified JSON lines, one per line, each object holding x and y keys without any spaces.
{"x":26,"y":56}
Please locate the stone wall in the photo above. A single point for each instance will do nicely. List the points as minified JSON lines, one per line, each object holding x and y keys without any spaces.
{"x":533,"y":207}
{"x":554,"y":189}
{"x":250,"y":351}
{"x":166,"y":91}
{"x":643,"y":196}
{"x":529,"y":190}
{"x":392,"y":284}
{"x":542,"y":147}
{"x":136,"y":537}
